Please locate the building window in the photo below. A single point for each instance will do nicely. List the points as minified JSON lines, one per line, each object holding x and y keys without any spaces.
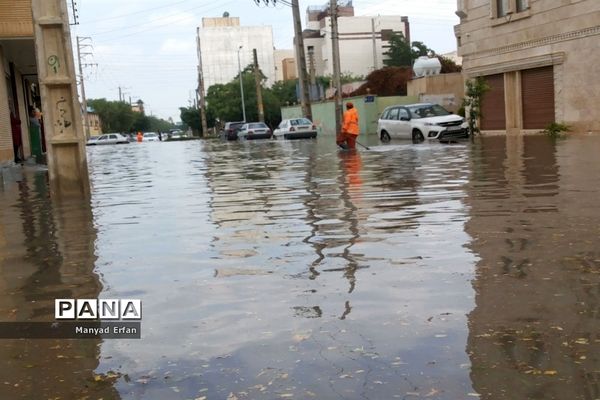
{"x":522,"y":5}
{"x":501,"y":8}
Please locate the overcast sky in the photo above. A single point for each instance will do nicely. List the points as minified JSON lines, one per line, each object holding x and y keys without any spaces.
{"x":147,"y":47}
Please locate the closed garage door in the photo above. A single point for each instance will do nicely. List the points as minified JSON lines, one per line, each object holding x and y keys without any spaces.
{"x":492,"y":104}
{"x":537,"y":86}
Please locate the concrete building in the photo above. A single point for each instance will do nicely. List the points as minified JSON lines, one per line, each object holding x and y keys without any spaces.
{"x":94,"y":122}
{"x":285,"y":65}
{"x":540,"y":59}
{"x":18,"y":76}
{"x":220,"y":41}
{"x":363,"y":40}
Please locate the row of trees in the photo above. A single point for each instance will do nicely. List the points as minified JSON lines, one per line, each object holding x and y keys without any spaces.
{"x":224,"y":102}
{"x":117,"y":116}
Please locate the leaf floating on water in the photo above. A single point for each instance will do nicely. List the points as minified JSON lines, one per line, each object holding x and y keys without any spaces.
{"x":286,"y":395}
{"x":582,"y":341}
{"x":232,"y":396}
{"x":473,"y":394}
{"x":200,"y":398}
{"x":550,"y":372}
{"x":311,"y":394}
{"x":299,"y":337}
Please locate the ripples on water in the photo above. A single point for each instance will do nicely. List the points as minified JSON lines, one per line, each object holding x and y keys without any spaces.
{"x":276,"y":269}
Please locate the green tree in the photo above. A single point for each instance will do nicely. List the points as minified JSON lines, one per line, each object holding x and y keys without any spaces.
{"x":475,"y":90}
{"x":399,"y":53}
{"x":403,"y":54}
{"x":190,"y":116}
{"x":224,"y":100}
{"x":115,"y":116}
{"x":285,"y":92}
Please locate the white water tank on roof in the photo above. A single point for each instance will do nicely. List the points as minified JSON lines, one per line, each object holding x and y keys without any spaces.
{"x":425,"y":66}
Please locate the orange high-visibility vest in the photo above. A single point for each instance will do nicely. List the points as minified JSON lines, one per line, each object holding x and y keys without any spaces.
{"x":351,"y":122}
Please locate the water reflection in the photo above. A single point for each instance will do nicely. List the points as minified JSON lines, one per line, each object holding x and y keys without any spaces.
{"x":533,"y":333}
{"x":280,"y":269}
{"x":47,"y":252}
{"x":285,"y":268}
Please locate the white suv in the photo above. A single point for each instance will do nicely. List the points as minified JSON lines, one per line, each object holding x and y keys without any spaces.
{"x":419,"y":122}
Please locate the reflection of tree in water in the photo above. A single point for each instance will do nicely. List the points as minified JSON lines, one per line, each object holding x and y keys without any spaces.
{"x":53,"y":251}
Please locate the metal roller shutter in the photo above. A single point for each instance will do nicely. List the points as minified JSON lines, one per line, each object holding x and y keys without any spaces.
{"x":537,"y":88}
{"x":492,"y":104}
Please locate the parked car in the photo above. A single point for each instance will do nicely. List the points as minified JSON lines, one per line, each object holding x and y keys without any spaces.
{"x":92,"y":140}
{"x":255,"y":130}
{"x":151,"y":137}
{"x":108,"y":138}
{"x":296,"y":128}
{"x":419,"y":122}
{"x":230,"y":130}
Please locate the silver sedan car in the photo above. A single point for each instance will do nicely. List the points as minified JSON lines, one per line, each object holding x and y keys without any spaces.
{"x":296,"y":128}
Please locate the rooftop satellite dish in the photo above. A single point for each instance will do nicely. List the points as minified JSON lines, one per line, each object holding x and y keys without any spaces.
{"x":225,"y":14}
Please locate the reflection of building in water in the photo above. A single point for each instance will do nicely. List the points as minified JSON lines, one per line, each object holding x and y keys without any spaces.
{"x":535,"y":224}
{"x":47,"y":253}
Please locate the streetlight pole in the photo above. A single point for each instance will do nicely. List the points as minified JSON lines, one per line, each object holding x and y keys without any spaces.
{"x":241,"y":83}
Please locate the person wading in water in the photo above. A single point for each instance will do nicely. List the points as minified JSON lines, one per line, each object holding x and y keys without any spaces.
{"x":350,"y":128}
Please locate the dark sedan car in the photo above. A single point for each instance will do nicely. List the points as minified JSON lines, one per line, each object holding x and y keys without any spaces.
{"x":230,"y":131}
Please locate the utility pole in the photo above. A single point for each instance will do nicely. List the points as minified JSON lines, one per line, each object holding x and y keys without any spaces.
{"x":257,"y":79}
{"x":374,"y":44}
{"x":241,"y":84}
{"x":80,"y":45}
{"x":201,"y":86}
{"x":67,"y":164}
{"x":300,"y":56}
{"x":301,"y":59}
{"x":120,"y":94}
{"x":335,"y":45}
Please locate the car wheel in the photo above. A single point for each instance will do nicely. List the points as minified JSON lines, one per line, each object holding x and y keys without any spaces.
{"x":417,"y":136}
{"x":385,"y":137}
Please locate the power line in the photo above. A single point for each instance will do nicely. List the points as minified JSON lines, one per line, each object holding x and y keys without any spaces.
{"x":158,"y":26}
{"x":95,"y":21}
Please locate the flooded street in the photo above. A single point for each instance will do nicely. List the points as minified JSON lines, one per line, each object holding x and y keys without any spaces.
{"x":278,"y":269}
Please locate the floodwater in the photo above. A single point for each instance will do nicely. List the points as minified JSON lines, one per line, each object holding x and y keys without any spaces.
{"x":289,"y":270}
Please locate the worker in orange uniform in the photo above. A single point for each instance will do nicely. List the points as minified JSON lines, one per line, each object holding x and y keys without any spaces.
{"x":140,"y":137}
{"x":350,"y":129}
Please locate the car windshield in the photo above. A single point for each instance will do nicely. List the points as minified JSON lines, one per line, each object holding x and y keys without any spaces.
{"x":256,"y":126}
{"x":300,"y":121}
{"x":150,"y":135}
{"x":427,"y":111}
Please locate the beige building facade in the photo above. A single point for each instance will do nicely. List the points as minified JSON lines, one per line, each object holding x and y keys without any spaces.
{"x":540,"y":59}
{"x":285,"y":65}
{"x":444,"y":89}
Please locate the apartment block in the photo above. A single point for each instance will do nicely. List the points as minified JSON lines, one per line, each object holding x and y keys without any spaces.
{"x":363,"y":39}
{"x":540,"y":58}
